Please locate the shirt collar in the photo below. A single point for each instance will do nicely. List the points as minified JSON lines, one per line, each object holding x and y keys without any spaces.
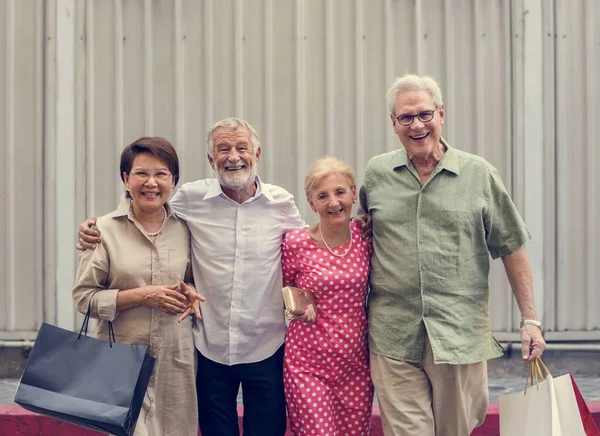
{"x":215,"y":190}
{"x":124,"y":209}
{"x":449,"y":160}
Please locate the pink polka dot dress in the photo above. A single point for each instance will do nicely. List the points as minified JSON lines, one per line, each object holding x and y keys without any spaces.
{"x":326,"y":365}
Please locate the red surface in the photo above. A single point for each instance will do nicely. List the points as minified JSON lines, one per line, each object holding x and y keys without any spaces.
{"x":16,"y":421}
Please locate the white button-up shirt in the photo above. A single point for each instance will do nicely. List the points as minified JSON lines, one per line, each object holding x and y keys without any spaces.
{"x":236,"y":260}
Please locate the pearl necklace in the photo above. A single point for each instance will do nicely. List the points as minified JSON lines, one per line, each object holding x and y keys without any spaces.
{"x":329,"y":248}
{"x":152,"y":234}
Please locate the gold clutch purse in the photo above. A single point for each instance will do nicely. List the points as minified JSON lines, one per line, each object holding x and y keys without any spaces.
{"x":296,"y":300}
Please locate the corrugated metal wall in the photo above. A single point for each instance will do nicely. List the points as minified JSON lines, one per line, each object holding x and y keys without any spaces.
{"x":21,"y":167}
{"x":577,"y":115}
{"x":311,"y":76}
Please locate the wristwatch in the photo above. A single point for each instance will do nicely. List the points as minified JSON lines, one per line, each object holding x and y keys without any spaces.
{"x":534,"y":322}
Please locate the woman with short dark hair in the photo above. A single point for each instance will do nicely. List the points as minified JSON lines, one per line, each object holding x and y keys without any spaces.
{"x":139,"y":278}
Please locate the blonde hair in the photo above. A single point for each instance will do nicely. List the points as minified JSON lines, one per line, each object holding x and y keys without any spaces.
{"x":411,"y":82}
{"x":324,"y":167}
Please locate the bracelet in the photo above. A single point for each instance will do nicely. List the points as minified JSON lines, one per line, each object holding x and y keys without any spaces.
{"x":534,"y":322}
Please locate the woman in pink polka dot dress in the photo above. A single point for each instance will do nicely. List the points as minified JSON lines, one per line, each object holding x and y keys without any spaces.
{"x":326,"y":368}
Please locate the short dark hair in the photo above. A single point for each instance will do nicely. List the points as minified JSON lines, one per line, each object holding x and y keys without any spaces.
{"x":159,"y":147}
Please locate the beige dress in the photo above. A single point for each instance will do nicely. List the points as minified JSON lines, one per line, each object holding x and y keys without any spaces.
{"x":126,"y":259}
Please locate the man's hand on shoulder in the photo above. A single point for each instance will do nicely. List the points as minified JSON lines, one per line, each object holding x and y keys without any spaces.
{"x":366,"y":225}
{"x":88,"y":236}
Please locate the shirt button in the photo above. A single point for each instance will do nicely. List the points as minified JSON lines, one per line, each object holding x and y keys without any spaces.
{"x":419,"y":217}
{"x":423,"y":268}
{"x":420,"y":241}
{"x":155,"y":318}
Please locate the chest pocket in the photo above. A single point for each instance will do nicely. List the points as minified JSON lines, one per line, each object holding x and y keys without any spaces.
{"x":178,"y":260}
{"x":455,"y":232}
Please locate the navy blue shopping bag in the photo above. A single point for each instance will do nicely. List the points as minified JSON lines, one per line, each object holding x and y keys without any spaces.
{"x":86,"y":381}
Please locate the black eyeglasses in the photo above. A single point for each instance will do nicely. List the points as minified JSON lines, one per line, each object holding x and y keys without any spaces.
{"x":423,"y":116}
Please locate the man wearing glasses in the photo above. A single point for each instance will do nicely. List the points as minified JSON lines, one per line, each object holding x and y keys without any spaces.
{"x":437,"y":214}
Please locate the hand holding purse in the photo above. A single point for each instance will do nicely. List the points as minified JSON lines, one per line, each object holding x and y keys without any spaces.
{"x":296,"y":301}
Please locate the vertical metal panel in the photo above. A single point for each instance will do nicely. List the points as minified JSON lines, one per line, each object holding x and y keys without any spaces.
{"x":359,"y":83}
{"x":528,"y":130}
{"x":197,"y":97}
{"x":179,"y":94}
{"x":7,"y":217}
{"x":5,"y":15}
{"x":119,"y":72}
{"x":136,"y":111}
{"x":592,"y":84}
{"x":65,"y":163}
{"x":238,"y":53}
{"x":577,"y":102}
{"x":80,"y":133}
{"x":547,"y":108}
{"x":287,"y":88}
{"x":250,"y":62}
{"x":21,"y":199}
{"x":148,"y":50}
{"x":268,"y":167}
{"x":206,"y":66}
{"x":50,"y":155}
{"x":162,"y":81}
{"x":90,"y":102}
{"x":301,"y":94}
{"x":102,"y":82}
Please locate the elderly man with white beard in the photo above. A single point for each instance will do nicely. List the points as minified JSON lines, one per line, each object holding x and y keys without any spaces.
{"x":236,"y":223}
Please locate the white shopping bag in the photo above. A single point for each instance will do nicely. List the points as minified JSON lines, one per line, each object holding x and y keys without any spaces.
{"x":548,"y":408}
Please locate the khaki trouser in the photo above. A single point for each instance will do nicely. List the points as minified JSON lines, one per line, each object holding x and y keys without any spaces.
{"x":429,"y":399}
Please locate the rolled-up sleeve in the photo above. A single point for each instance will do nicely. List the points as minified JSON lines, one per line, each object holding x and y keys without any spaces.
{"x":506,"y":231}
{"x":90,"y":286}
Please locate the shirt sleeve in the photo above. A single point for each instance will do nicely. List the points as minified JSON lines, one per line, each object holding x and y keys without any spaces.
{"x":287,"y":261}
{"x":363,"y":203}
{"x":293,"y":220}
{"x":90,"y":285}
{"x":505,"y":229}
{"x":179,"y":203}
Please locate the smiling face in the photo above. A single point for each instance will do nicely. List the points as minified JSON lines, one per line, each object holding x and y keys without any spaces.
{"x":148,"y":193}
{"x":420,"y":138}
{"x":333,"y":198}
{"x":234,"y":158}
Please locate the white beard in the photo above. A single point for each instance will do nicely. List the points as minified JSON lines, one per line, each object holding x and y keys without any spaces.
{"x":236,"y":180}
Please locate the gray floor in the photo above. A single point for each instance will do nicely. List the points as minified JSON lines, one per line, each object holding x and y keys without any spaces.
{"x":588,"y":385}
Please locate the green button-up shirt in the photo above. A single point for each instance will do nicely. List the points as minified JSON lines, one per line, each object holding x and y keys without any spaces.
{"x":430,"y":265}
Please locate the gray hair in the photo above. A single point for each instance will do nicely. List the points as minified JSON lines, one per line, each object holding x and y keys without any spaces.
{"x":231,"y":124}
{"x":411,"y":82}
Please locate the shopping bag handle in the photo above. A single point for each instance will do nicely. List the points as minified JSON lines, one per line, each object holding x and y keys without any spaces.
{"x":86,"y":321}
{"x":534,"y":371}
